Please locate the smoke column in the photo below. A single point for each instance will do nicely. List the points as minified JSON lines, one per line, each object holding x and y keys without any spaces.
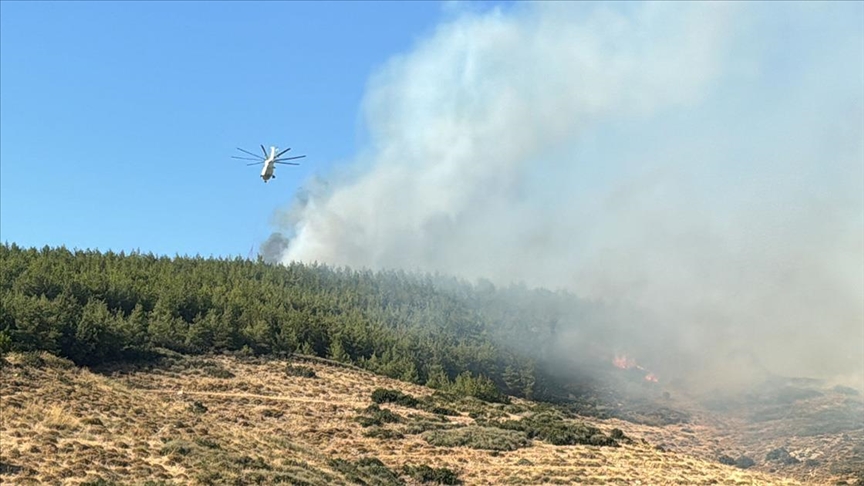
{"x":703,"y":161}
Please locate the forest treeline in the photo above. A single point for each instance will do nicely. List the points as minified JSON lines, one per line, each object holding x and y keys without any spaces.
{"x":94,"y":307}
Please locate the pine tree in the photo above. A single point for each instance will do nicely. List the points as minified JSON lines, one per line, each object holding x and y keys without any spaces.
{"x":306,"y":349}
{"x":337,"y":351}
{"x":437,"y":378}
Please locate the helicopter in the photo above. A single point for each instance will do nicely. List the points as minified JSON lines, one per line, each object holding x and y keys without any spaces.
{"x":269,"y":160}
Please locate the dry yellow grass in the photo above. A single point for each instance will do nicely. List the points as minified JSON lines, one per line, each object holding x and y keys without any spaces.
{"x":183,"y":424}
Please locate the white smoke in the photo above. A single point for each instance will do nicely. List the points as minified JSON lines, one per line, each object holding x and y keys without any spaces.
{"x":689,"y":158}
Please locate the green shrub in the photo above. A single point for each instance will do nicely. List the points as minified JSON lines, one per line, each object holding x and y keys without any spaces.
{"x":551,"y":427}
{"x":420,"y":426}
{"x":781,"y":455}
{"x":299,"y":370}
{"x":5,"y":343}
{"x":426,"y":474}
{"x":475,"y":437}
{"x":247,"y":462}
{"x":384,"y":395}
{"x":479,"y":387}
{"x":272,"y":413}
{"x":98,"y":482}
{"x":375,"y":415}
{"x":197,"y":407}
{"x":367,"y":470}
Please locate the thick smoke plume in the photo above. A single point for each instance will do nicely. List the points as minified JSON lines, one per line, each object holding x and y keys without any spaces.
{"x":702,"y":161}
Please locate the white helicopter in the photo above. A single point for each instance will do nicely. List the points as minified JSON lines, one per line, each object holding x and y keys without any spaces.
{"x":269,"y":160}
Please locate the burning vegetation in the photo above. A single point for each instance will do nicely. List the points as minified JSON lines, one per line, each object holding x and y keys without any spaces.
{"x":626,"y":363}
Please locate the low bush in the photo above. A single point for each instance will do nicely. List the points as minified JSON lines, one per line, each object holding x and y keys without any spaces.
{"x":744,"y":462}
{"x":299,"y":370}
{"x":420,"y":426}
{"x":475,"y":437}
{"x":782,"y":456}
{"x":551,"y":427}
{"x":367,"y":470}
{"x":375,"y":415}
{"x":426,"y":474}
{"x":385,"y":395}
{"x":272,"y":413}
{"x":197,"y":407}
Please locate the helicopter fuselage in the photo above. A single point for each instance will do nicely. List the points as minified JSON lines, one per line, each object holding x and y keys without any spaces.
{"x":269,"y":165}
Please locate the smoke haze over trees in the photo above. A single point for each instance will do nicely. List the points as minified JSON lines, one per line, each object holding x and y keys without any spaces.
{"x":698,"y":167}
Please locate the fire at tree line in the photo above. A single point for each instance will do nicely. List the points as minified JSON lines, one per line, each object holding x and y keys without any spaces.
{"x":445,"y":333}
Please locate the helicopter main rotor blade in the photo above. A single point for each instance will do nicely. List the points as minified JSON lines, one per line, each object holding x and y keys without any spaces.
{"x":245,"y":158}
{"x":264,"y":150}
{"x":255,"y":163}
{"x":291,"y":158}
{"x":248,"y":152}
{"x":282,"y":152}
{"x":286,"y":163}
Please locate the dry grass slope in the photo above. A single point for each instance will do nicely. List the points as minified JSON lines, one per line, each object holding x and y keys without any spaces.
{"x":220,"y":420}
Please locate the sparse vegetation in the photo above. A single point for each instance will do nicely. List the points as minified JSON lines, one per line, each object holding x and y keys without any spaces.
{"x":383,"y":433}
{"x":263,"y":427}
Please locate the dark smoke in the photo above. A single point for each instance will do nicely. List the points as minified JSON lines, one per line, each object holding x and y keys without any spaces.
{"x":273,"y":248}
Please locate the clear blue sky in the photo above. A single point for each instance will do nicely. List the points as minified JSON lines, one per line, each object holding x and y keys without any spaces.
{"x":118,"y":120}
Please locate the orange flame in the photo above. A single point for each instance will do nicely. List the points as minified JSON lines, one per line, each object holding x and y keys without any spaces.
{"x":625,"y":363}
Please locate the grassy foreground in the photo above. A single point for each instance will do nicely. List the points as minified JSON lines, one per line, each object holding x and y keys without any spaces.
{"x":227,"y":420}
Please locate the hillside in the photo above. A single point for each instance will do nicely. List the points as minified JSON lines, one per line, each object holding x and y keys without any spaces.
{"x":219,"y":419}
{"x":130,"y":332}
